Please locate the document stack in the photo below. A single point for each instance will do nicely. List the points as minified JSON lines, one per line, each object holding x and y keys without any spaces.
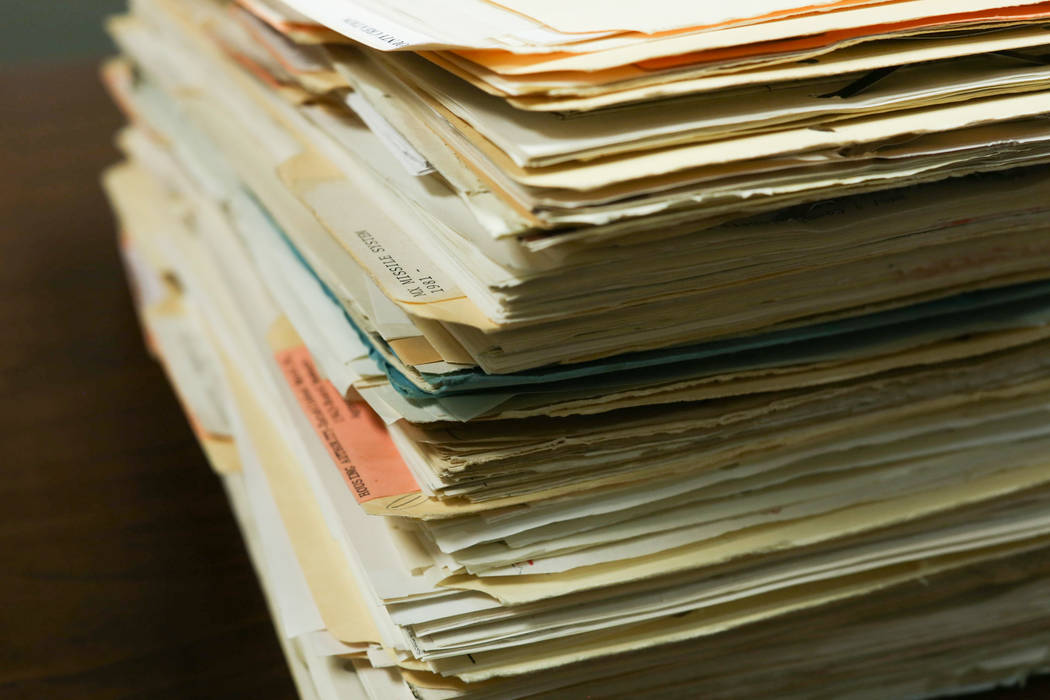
{"x":577,"y":349}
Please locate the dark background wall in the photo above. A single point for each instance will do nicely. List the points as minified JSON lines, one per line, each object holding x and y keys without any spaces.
{"x":34,"y":31}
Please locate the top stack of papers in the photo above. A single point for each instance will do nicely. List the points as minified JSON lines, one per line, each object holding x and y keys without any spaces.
{"x":578,"y":349}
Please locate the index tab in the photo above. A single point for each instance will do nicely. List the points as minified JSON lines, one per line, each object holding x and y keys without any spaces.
{"x":354,"y":436}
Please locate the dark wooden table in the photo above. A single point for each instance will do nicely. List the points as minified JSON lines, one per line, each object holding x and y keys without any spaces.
{"x":122,"y":573}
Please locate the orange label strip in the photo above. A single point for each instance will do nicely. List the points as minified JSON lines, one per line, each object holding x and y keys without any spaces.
{"x":355,"y":437}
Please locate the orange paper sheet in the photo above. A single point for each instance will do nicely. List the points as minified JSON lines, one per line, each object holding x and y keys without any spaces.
{"x":1016,"y":14}
{"x":518,"y":64}
{"x":754,"y":19}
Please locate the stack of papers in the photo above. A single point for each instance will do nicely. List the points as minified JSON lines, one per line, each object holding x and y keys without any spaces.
{"x":579,"y":349}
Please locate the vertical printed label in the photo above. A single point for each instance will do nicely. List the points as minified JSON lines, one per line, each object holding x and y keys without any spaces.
{"x":355,"y":437}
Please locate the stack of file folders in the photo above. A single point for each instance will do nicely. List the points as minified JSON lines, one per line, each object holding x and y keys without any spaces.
{"x":610,"y":350}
